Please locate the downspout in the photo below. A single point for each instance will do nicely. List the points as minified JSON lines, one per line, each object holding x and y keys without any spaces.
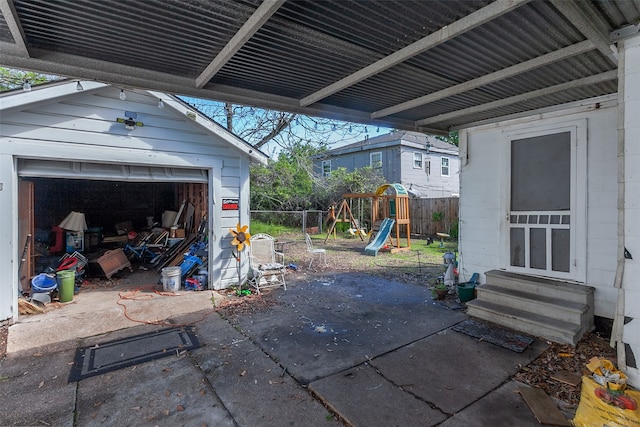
{"x":618,"y":319}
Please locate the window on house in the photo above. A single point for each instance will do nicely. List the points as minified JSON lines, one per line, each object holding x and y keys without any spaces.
{"x":376,"y":160}
{"x":326,"y":167}
{"x":417,"y":160}
{"x":444,"y":167}
{"x":427,"y":167}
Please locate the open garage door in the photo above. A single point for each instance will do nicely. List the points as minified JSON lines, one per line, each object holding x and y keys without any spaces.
{"x":108,"y":171}
{"x":114,"y":198}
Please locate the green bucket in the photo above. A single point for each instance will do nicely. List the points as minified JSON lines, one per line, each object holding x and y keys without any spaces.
{"x":466,"y":291}
{"x":66,"y":285}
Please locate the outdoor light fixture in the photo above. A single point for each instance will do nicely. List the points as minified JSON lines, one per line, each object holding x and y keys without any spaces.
{"x":123,"y":96}
{"x":79,"y":86}
{"x":129,"y":120}
{"x":26,"y":86}
{"x":160,"y":104}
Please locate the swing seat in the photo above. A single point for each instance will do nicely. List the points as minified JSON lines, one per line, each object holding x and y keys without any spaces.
{"x":356,"y":229}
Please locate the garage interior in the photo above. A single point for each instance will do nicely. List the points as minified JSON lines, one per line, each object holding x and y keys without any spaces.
{"x":120,"y":216}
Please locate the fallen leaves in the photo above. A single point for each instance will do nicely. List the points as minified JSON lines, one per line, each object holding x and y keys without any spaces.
{"x":554,"y":371}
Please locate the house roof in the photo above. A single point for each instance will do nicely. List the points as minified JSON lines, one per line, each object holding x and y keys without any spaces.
{"x":18,"y":100}
{"x":409,"y":139}
{"x":409,"y":64}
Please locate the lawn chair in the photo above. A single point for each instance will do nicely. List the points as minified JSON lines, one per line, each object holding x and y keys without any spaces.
{"x":322,"y":253}
{"x":265,"y":263}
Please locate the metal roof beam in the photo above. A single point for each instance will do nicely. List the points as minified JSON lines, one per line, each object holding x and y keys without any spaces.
{"x":514,"y":70}
{"x":469,"y":22}
{"x":598,"y":78}
{"x":248,"y":29}
{"x":73,"y":66}
{"x":585,"y":20}
{"x":13,"y":22}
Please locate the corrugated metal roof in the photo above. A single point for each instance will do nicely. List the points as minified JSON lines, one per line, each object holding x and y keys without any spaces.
{"x":415,"y":65}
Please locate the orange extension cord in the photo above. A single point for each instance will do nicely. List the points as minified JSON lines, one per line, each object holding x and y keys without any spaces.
{"x":133,"y":295}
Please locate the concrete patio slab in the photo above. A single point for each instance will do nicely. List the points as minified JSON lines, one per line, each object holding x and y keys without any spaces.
{"x":333,"y":323}
{"x":502,"y":407}
{"x":334,"y":349}
{"x":34,"y":389}
{"x":255,"y":389}
{"x":452,"y":370}
{"x":164,"y":392}
{"x":364,"y":397}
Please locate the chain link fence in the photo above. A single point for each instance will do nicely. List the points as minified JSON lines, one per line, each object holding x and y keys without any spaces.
{"x":310,"y":221}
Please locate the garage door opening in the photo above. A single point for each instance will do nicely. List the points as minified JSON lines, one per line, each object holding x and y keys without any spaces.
{"x":121,"y":218}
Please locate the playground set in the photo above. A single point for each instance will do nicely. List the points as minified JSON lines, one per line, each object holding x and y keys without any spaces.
{"x":389,"y":219}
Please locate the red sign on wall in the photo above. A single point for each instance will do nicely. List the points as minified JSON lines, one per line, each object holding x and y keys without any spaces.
{"x":230,"y":204}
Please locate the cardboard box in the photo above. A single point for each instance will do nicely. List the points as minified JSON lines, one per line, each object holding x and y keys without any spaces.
{"x":180,"y":233}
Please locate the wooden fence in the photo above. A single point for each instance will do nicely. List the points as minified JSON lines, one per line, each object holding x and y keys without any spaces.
{"x":431,"y":216}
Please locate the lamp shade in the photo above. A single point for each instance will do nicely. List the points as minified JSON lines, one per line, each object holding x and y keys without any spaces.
{"x":74,"y":221}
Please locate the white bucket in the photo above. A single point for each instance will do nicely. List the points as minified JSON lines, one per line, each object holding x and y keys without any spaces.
{"x":168,"y":218}
{"x":171,"y":279}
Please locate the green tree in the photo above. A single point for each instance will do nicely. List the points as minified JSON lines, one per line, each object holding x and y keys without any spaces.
{"x":285,"y":183}
{"x":332,"y":188}
{"x":452,"y":138}
{"x":11,"y":79}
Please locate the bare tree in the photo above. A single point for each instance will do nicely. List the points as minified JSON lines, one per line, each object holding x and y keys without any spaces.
{"x":279,"y":130}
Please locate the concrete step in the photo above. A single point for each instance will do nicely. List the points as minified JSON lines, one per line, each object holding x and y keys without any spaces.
{"x":566,"y":311}
{"x":556,"y":289}
{"x":526,"y":322}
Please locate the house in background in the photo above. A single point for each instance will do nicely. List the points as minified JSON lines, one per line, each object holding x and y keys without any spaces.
{"x":426,"y":166}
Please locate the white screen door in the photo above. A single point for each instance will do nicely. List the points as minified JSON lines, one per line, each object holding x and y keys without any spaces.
{"x":541,"y":209}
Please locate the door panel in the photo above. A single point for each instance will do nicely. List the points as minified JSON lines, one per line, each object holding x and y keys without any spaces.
{"x":25,"y":233}
{"x":540,"y":207}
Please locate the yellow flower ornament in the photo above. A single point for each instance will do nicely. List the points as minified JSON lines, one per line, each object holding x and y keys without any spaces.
{"x":240,"y":237}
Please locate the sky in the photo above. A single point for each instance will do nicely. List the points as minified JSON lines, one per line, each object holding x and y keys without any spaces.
{"x":333,"y":132}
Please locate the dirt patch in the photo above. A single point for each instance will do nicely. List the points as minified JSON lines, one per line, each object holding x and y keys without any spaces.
{"x":236,"y":306}
{"x":4,"y":334}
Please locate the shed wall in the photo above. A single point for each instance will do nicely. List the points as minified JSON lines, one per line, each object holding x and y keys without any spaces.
{"x":83,"y":128}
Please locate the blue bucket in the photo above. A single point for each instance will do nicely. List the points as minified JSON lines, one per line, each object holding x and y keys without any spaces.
{"x":43,"y":283}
